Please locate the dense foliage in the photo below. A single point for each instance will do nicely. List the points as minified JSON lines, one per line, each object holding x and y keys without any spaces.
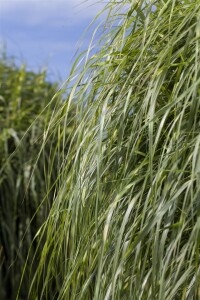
{"x":118,"y":201}
{"x":125,"y":223}
{"x":25,"y":112}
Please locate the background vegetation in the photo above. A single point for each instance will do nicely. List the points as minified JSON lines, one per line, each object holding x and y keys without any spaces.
{"x":25,"y":112}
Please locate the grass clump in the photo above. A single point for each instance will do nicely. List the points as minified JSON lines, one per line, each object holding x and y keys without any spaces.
{"x":125,"y":223}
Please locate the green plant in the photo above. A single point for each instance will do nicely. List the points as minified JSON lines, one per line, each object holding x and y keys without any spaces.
{"x":125,"y":223}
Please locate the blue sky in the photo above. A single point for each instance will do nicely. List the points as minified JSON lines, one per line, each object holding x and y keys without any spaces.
{"x":46,"y":33}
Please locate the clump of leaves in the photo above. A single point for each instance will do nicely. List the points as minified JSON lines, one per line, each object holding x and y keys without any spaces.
{"x":125,"y":223}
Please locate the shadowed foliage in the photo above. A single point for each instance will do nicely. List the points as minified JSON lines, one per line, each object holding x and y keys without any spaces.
{"x":25,"y":112}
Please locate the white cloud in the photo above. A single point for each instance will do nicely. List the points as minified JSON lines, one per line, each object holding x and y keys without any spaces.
{"x":37,"y":11}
